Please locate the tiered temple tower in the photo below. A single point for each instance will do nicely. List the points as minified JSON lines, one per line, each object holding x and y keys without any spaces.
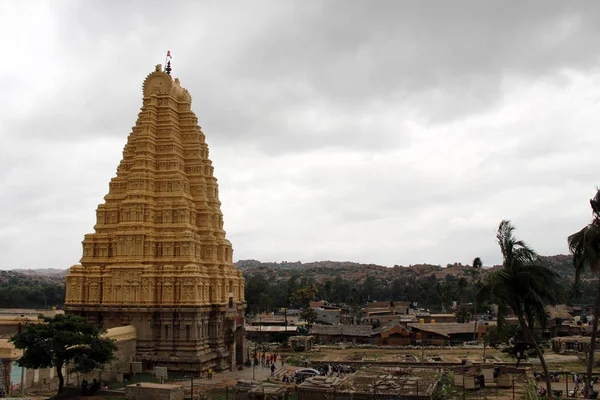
{"x":159,"y":259}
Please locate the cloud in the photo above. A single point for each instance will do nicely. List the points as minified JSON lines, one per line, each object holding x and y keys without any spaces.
{"x":396,"y":134}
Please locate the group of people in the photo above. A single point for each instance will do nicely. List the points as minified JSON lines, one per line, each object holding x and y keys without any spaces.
{"x":87,"y":388}
{"x":267,"y":361}
{"x":576,"y":391}
{"x":335,"y":370}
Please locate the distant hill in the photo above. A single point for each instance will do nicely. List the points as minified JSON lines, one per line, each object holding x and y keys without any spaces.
{"x":31,"y":281}
{"x":31,"y":277}
{"x":562,"y":264}
{"x":325,"y":270}
{"x":42,"y":272}
{"x":31,"y":289}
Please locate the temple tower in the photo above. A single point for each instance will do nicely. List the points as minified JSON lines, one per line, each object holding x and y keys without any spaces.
{"x":158,"y":258}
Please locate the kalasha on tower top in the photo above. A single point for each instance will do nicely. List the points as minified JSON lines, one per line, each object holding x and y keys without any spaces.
{"x":159,"y":259}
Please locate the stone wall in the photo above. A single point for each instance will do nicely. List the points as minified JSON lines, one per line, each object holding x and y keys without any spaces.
{"x":154,"y":391}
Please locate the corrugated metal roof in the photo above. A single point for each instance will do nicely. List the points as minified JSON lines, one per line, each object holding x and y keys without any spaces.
{"x":342,"y":330}
{"x":445,"y":329}
{"x":271,"y":329}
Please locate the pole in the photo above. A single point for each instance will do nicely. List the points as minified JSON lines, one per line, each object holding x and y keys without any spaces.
{"x":513,"y":381}
{"x":23,"y":380}
{"x":192,"y":388}
{"x":254,"y":363}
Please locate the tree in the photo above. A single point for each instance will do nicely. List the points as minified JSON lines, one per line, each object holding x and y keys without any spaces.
{"x":264,"y":302}
{"x":462,"y":286}
{"x":522,"y":285}
{"x":511,"y":341}
{"x":309,"y":315}
{"x":585,"y":247}
{"x":475,"y":272}
{"x":61,"y":340}
{"x":304,"y":295}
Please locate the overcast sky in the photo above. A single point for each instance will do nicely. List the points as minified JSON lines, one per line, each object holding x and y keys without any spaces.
{"x":381,"y":132}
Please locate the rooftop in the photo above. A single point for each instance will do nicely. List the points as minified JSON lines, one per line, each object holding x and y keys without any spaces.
{"x":342,"y":330}
{"x":445,"y":329}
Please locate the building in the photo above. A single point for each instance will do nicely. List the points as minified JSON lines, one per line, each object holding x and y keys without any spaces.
{"x":342,"y":333}
{"x":560,"y":321}
{"x":46,"y":379}
{"x":372,"y":383}
{"x":572,"y":344}
{"x":384,"y":312}
{"x":392,"y":334}
{"x":435,"y":318}
{"x":271,"y":333}
{"x":275,"y":320}
{"x":13,"y":319}
{"x":443,"y":334}
{"x":159,"y":258}
{"x":329,"y":316}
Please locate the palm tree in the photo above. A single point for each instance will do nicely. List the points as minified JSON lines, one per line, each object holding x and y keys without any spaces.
{"x":523,"y":286}
{"x":585,"y":247}
{"x":474,"y":272}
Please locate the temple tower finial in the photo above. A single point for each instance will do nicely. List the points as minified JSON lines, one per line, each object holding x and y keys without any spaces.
{"x":168,"y":63}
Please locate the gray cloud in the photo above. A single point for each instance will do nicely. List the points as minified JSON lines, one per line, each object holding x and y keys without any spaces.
{"x":385,"y":132}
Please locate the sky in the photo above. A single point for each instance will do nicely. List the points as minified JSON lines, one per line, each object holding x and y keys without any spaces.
{"x":385,"y":132}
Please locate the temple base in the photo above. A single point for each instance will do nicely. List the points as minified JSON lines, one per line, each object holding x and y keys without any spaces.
{"x":180,"y":338}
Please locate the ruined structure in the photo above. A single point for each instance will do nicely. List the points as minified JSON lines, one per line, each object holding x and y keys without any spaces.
{"x":158,"y":258}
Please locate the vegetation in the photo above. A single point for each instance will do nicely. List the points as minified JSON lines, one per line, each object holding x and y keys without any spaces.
{"x":62,"y":340}
{"x":19,"y":290}
{"x":309,"y":315}
{"x":585,"y":247}
{"x":269,"y":288}
{"x":522,"y":285}
{"x":510,"y":340}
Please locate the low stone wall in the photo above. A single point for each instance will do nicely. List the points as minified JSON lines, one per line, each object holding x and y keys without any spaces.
{"x":154,"y":391}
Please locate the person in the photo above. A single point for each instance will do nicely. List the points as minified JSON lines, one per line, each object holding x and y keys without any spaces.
{"x":210,"y":372}
{"x":273,"y":369}
{"x":95,"y":386}
{"x":84,"y":387}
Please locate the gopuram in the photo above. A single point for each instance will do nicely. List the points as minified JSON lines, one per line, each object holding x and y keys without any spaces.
{"x":159,"y":259}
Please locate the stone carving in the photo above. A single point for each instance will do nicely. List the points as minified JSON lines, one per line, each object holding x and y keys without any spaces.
{"x":159,"y":240}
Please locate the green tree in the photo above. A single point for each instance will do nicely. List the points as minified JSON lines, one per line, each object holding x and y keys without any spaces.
{"x":475,"y":273}
{"x":309,"y":315}
{"x":523,"y":286}
{"x":61,"y":340}
{"x":264,"y":302}
{"x":304,"y":295}
{"x":585,"y":247}
{"x":462,"y":287}
{"x":511,"y":341}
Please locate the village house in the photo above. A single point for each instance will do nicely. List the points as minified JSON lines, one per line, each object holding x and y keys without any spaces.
{"x":444,"y":334}
{"x":270,"y":333}
{"x":328,"y":334}
{"x":383,"y":312}
{"x":392,"y":334}
{"x":329,"y":316}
